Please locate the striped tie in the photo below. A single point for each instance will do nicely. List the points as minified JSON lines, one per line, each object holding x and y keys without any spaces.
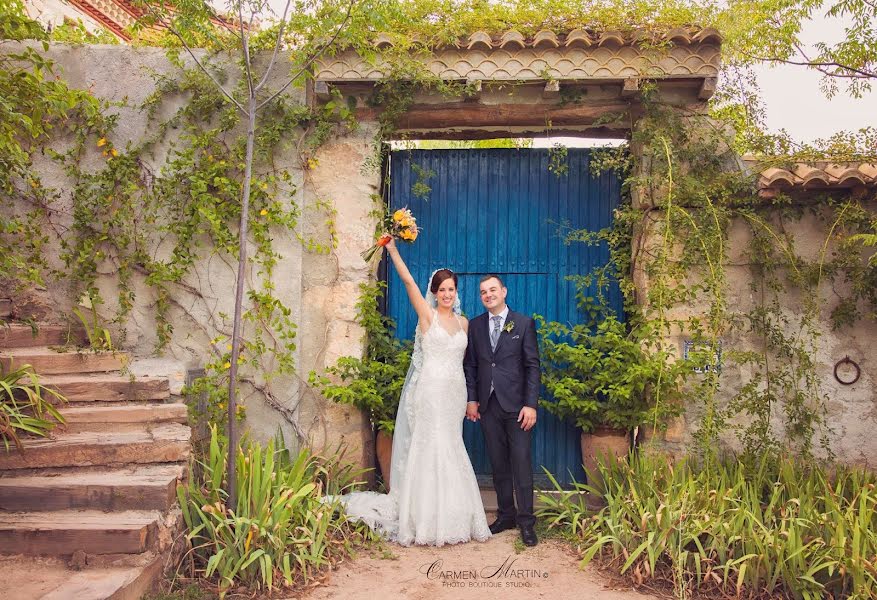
{"x":494,"y":333}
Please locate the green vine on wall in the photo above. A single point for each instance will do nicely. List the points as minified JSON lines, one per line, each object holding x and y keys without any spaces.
{"x":153,"y":227}
{"x":670,"y":249}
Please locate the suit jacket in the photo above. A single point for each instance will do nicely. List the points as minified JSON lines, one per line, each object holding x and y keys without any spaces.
{"x":513,"y":367}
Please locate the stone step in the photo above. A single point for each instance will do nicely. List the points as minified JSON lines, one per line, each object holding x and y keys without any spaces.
{"x":162,"y":443}
{"x":17,"y":335}
{"x":120,"y":417}
{"x":49,"y":578}
{"x":64,"y":532}
{"x":107,"y":387}
{"x":46,"y":361}
{"x":145,"y":487}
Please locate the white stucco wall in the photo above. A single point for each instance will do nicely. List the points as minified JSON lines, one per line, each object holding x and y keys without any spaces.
{"x":321,"y":289}
{"x":850,"y":410}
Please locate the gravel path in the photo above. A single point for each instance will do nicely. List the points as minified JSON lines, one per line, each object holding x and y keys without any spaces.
{"x":492,"y":569}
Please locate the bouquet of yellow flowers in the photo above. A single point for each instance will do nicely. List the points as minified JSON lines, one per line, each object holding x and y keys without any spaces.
{"x":400,"y":225}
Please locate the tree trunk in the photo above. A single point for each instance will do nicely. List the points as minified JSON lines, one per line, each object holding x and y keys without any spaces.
{"x":233,"y":435}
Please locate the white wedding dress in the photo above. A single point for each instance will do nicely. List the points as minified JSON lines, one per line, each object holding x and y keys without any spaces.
{"x":434,"y":497}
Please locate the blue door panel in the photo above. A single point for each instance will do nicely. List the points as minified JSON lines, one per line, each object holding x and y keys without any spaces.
{"x":502,"y":211}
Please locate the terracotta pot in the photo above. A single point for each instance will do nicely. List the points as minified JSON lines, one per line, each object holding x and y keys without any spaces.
{"x":384,"y":450}
{"x":601,"y":442}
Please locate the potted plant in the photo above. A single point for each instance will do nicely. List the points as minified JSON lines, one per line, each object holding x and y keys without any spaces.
{"x":603,"y":376}
{"x":374,"y":382}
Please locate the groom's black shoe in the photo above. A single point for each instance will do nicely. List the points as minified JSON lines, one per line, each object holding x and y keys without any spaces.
{"x":528,"y":536}
{"x":500,"y":525}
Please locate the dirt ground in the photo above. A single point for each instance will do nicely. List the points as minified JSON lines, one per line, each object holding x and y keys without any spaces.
{"x":492,"y":569}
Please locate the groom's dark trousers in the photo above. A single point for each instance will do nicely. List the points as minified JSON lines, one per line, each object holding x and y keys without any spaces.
{"x":508,"y":447}
{"x":502,"y":381}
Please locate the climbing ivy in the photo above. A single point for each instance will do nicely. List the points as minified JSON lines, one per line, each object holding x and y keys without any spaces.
{"x":683,"y":197}
{"x":670,"y":250}
{"x":153,"y":226}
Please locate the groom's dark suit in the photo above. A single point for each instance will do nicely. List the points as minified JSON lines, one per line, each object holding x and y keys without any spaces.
{"x":513,"y":371}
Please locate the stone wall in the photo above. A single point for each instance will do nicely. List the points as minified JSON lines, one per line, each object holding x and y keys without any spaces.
{"x":321,"y":289}
{"x":850,"y":410}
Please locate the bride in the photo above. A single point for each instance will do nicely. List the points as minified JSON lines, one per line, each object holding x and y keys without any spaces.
{"x":434,"y":497}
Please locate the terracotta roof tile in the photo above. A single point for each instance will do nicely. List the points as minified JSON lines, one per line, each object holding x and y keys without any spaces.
{"x":546,"y":39}
{"x":680,"y":36}
{"x":816,"y":175}
{"x":512,"y":38}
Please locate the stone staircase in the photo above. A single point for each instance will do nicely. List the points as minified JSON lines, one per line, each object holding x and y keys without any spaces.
{"x":90,"y":513}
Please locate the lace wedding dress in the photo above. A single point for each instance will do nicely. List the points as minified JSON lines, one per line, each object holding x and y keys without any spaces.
{"x":434,"y":497}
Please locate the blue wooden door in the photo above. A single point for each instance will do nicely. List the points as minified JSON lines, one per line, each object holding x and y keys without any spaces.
{"x":502,"y":211}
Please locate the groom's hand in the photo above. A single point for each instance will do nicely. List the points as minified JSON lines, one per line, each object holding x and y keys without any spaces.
{"x":527,"y":418}
{"x":472,"y":411}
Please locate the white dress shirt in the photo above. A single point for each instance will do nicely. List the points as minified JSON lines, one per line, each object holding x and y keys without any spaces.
{"x":502,"y":317}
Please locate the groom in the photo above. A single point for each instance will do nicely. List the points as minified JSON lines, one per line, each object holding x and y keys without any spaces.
{"x":502,"y":377}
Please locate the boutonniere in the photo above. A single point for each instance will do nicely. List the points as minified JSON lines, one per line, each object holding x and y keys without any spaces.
{"x":509,"y":326}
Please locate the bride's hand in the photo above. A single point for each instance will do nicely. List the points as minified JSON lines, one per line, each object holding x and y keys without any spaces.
{"x":390,"y":245}
{"x":472,"y":411}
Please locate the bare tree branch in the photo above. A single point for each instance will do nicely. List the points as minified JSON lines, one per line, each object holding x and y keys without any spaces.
{"x":206,"y":72}
{"x":313,"y":57}
{"x":276,"y":46}
{"x":245,"y":46}
{"x":821,"y":66}
{"x":229,"y":28}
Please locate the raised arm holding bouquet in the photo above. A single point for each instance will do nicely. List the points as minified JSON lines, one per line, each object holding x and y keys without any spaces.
{"x":400,"y":225}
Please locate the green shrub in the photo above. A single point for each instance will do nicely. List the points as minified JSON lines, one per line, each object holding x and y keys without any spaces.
{"x":374,"y":382}
{"x":778,"y":530}
{"x":25,"y":407}
{"x":281,"y":533}
{"x":603,"y":373}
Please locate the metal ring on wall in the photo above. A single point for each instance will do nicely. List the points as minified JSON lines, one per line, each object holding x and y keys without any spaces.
{"x":846,"y":360}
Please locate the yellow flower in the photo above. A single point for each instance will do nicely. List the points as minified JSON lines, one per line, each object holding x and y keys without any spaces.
{"x":312,"y":163}
{"x":263,"y":212}
{"x":406,"y":222}
{"x":407,"y":234}
{"x":228,"y":346}
{"x":399,"y":215}
{"x":210,"y":157}
{"x":264,"y":186}
{"x":227,"y":365}
{"x":105,"y":153}
{"x":101,"y":142}
{"x":114,"y":152}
